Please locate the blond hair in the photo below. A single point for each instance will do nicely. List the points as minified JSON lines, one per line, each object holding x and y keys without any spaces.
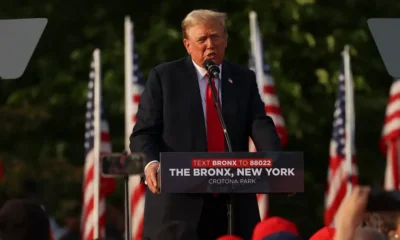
{"x":202,"y":16}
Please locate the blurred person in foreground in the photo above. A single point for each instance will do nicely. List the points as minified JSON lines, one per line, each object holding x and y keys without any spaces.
{"x":177,"y":114}
{"x":72,"y":224}
{"x":350,"y":216}
{"x":229,"y":237}
{"x":275,"y":228}
{"x":22,"y":219}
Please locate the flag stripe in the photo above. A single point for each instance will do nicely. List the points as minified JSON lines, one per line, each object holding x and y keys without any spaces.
{"x":139,"y":233}
{"x":336,"y":200}
{"x":263,"y":208}
{"x":392,"y":128}
{"x":268,"y":89}
{"x":270,"y":100}
{"x":395,"y":97}
{"x":273,"y":110}
{"x":105,"y":137}
{"x":136,"y":98}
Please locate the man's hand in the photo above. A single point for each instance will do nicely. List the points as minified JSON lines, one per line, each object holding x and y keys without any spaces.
{"x":151,"y":177}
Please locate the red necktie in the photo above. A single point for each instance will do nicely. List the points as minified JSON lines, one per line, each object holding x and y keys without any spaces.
{"x":215,"y":133}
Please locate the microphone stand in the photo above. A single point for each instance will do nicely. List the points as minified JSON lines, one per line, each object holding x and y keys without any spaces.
{"x":127,"y":209}
{"x":228,"y":143}
{"x":127,"y":205}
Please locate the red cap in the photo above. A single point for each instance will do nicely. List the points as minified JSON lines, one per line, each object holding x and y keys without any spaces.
{"x":230,"y":237}
{"x":273,"y":225}
{"x":325,"y":233}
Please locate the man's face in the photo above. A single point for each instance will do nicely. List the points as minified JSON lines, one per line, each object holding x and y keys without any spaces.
{"x":206,"y":41}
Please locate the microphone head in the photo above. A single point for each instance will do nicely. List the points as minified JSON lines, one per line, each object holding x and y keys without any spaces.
{"x":207,"y":63}
{"x":211,"y":67}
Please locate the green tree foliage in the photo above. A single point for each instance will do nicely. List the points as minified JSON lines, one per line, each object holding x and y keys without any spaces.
{"x":42,"y":114}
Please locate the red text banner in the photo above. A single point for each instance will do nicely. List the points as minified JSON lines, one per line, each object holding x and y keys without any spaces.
{"x":232,"y":163}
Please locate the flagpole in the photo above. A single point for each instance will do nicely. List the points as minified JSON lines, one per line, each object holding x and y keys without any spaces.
{"x":96,"y":147}
{"x":257,"y":50}
{"x":349,"y":118}
{"x":128,"y":115}
{"x":128,"y":79}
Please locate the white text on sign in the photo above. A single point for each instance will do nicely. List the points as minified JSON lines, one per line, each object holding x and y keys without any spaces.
{"x":228,"y":172}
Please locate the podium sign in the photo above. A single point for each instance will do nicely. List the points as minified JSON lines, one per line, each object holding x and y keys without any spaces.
{"x":238,"y":172}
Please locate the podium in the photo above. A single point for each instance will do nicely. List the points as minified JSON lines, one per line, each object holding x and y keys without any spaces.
{"x":231,"y":173}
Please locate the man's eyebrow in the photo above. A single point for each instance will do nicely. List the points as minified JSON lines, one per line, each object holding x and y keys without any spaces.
{"x":203,"y":36}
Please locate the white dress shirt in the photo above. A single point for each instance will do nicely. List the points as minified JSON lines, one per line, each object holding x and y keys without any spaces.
{"x":203,"y":81}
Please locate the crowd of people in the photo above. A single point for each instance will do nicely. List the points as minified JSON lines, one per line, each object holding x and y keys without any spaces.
{"x":349,"y":225}
{"x":23,"y":219}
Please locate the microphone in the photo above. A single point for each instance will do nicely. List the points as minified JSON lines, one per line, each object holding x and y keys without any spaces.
{"x":211,"y":68}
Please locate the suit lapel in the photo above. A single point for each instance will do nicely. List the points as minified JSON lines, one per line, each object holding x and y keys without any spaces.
{"x":196,"y":119}
{"x":228,"y":94}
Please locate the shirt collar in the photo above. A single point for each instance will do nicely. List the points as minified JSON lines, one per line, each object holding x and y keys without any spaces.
{"x":201,"y":72}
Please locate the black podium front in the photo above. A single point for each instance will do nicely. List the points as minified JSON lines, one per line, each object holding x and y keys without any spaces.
{"x":231,"y":173}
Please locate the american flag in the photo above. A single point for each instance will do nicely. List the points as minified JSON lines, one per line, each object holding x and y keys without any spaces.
{"x":271,"y":101}
{"x":134,"y":87}
{"x":390,"y":141}
{"x":339,"y":180}
{"x":97,"y":143}
{"x":259,"y":65}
